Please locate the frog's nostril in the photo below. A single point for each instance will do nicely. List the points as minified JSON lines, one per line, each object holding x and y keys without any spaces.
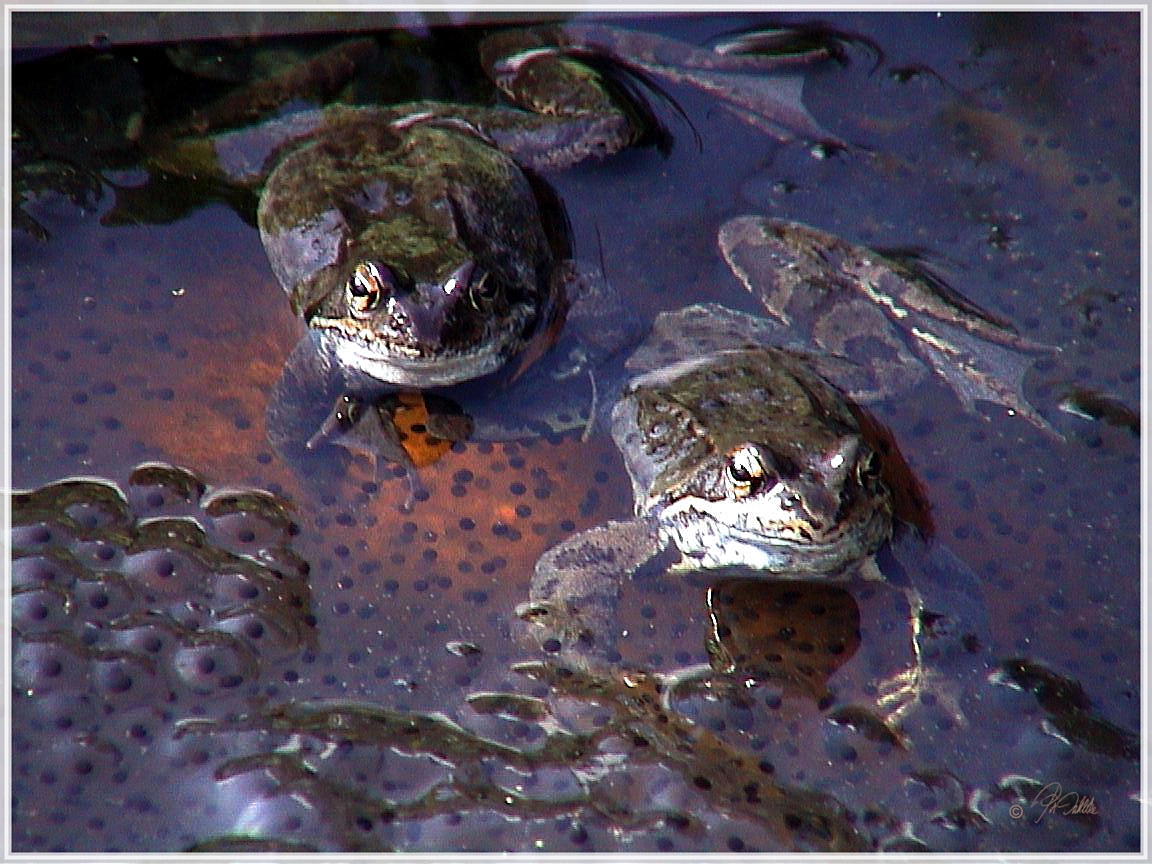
{"x":460,"y":279}
{"x":426,"y":322}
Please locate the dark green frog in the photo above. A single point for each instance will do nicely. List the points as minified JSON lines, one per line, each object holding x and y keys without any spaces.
{"x":419,"y":253}
{"x":416,"y":240}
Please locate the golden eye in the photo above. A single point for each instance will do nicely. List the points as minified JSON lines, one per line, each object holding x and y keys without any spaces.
{"x":745,"y":471}
{"x":365,"y":288}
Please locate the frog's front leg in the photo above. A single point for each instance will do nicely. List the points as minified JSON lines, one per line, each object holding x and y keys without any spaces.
{"x":901,"y":692}
{"x":369,"y":427}
{"x":364,"y":427}
{"x":578,"y":583}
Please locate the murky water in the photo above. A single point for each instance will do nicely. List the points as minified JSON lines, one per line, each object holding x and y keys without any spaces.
{"x":353,"y":680}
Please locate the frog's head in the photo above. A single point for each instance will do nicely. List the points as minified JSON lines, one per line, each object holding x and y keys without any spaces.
{"x":758,"y":506}
{"x":419,"y":254}
{"x":748,"y":457}
{"x":451,"y":327}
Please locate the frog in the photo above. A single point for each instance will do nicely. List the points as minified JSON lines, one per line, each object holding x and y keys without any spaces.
{"x":890,"y":319}
{"x":421,"y":243}
{"x":739,"y":453}
{"x":746,"y":461}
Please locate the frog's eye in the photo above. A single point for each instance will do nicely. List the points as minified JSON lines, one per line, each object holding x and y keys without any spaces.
{"x":481,"y":288}
{"x":868,"y":469}
{"x":366,"y":286}
{"x":745,"y":471}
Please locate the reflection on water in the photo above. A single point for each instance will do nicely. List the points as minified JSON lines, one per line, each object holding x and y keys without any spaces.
{"x":200,"y":663}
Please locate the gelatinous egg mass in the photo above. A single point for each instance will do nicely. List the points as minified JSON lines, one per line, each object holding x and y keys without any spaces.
{"x":214,"y":651}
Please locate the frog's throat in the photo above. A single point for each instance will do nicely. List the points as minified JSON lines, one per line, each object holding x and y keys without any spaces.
{"x":395,"y":363}
{"x":710,"y":536}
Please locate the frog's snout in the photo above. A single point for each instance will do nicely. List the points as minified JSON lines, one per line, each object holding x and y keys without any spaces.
{"x":426,"y":316}
{"x":429,"y":306}
{"x":458,"y":284}
{"x":822,"y":492}
{"x":815,"y":503}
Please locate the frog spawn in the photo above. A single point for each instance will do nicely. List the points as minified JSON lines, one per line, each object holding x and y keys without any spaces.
{"x":1074,"y":638}
{"x":311,"y":775}
{"x":129,"y":607}
{"x":302,"y":799}
{"x":562,"y":779}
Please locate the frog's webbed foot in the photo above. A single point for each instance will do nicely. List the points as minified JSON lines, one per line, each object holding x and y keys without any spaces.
{"x":760,"y":85}
{"x":366,"y":427}
{"x":932,"y":635}
{"x":899,"y":694}
{"x":578,"y":583}
{"x":445,"y":421}
{"x":313,"y":405}
{"x":596,"y":79}
{"x":569,"y":111}
{"x":884,"y":311}
{"x":588,"y":86}
{"x":947,"y":628}
{"x":408,"y":429}
{"x":978,"y":370}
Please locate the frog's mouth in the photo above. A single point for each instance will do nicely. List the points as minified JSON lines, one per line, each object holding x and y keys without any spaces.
{"x":428,"y":333}
{"x":389,"y":350}
{"x":725,"y":533}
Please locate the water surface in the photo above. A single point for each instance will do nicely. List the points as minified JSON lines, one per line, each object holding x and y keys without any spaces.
{"x":369,"y":705}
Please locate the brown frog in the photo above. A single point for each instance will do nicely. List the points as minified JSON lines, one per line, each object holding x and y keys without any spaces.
{"x":740,"y":454}
{"x":746,"y":461}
